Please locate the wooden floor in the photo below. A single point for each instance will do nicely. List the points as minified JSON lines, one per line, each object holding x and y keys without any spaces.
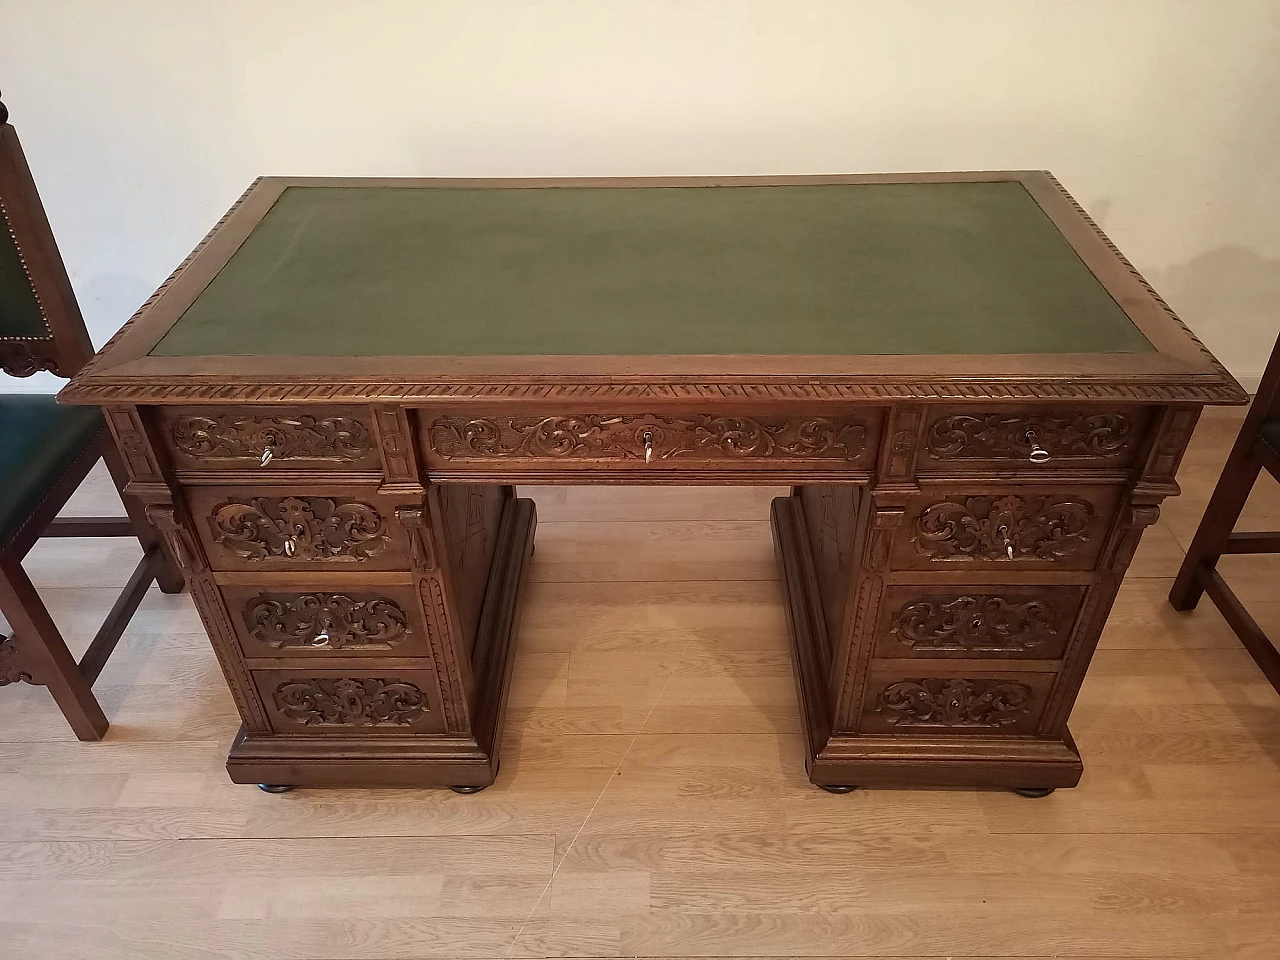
{"x":652,"y":800}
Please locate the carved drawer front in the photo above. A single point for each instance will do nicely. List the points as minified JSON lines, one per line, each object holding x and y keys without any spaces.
{"x":327,"y":622}
{"x":351,"y":701}
{"x":266,"y":528}
{"x":967,"y":439}
{"x":964,"y":701}
{"x":1019,"y":528}
{"x":995,"y":621}
{"x":648,"y":443}
{"x":271,"y":439}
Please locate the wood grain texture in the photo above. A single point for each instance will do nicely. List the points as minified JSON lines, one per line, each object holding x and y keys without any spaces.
{"x":652,"y":800}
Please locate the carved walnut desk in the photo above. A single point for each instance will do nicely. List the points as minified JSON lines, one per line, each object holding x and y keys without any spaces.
{"x":978,"y":403}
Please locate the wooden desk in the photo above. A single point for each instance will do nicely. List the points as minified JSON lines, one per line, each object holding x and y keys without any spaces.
{"x":979,"y":402}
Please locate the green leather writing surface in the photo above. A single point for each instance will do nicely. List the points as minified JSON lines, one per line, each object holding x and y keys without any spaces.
{"x":923,"y":268}
{"x":20,"y":314}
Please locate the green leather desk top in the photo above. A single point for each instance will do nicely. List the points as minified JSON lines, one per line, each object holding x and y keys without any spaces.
{"x":866,"y":268}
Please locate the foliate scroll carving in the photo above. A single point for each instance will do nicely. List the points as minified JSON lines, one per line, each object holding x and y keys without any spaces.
{"x":333,"y":621}
{"x":300,"y":528}
{"x":940,"y":702}
{"x":230,"y":437}
{"x":1000,"y":435}
{"x":20,"y":358}
{"x":13,"y":666}
{"x":974,"y":623}
{"x":1002,"y":528}
{"x":348,"y":702}
{"x":645,"y":438}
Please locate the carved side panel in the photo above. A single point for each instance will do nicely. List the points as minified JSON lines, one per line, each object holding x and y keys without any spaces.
{"x":831,"y":515}
{"x":439,"y":614}
{"x":856,"y":641}
{"x":471,"y":513}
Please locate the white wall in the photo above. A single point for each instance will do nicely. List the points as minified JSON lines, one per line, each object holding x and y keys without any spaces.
{"x":144,"y":119}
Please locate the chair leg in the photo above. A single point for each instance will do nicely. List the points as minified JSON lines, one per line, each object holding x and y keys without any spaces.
{"x":1215,"y":528}
{"x":168,"y":576}
{"x":44,"y":654}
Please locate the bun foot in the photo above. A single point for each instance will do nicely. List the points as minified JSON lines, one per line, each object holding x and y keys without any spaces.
{"x":837,"y":787}
{"x":275,"y":787}
{"x":469,"y":790}
{"x":1033,"y":792}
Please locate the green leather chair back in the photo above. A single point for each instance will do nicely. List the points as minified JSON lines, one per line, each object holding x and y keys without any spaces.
{"x":40,"y":324}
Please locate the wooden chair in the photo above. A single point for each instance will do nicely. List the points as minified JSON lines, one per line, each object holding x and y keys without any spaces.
{"x":45,"y":452}
{"x":1256,"y":447}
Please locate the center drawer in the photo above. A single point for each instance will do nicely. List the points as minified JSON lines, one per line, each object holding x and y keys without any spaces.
{"x":639,"y":443}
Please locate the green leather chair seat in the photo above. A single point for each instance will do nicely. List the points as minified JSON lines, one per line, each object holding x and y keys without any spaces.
{"x":38,"y":441}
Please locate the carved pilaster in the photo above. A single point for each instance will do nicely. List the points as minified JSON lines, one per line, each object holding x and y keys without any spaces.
{"x":399,"y":461}
{"x":439,"y":615}
{"x":1172,"y":434}
{"x":1098,"y":599}
{"x":131,"y":437}
{"x":898,"y":450}
{"x":146,"y":464}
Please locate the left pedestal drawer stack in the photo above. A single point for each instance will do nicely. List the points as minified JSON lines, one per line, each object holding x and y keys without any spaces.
{"x":315,"y":573}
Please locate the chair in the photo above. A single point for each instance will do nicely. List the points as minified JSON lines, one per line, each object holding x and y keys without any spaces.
{"x":46,"y":451}
{"x":1257,"y":446}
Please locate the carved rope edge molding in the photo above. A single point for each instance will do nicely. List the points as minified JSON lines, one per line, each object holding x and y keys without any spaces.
{"x":147,"y":390}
